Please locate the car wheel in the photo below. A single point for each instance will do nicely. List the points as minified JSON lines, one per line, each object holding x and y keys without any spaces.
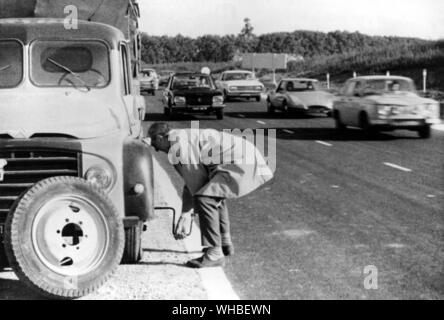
{"x":167,"y":111}
{"x":258,"y":99}
{"x":425,"y":132}
{"x":365,"y":125}
{"x":226,"y":99}
{"x":341,"y":127}
{"x":285,"y":106}
{"x":64,"y":238}
{"x":220,"y":114}
{"x":133,"y":252}
{"x":270,"y":107}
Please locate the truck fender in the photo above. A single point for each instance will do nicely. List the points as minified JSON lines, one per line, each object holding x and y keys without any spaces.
{"x":138,"y":172}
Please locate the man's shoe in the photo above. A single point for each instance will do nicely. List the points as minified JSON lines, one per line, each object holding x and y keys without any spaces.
{"x":228,"y":250}
{"x":204,"y":262}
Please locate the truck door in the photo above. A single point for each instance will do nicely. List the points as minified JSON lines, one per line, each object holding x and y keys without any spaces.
{"x":133,"y":106}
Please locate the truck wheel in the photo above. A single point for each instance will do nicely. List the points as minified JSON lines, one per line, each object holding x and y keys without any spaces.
{"x":167,"y":111}
{"x":133,"y":252}
{"x":220,"y":114}
{"x":258,"y":99}
{"x":425,"y":132}
{"x":64,"y":239}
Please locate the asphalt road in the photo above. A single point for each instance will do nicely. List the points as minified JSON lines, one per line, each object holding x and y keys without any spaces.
{"x":337,"y":204}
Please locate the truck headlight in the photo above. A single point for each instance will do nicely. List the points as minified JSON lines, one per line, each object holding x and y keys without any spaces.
{"x":259,"y":88}
{"x":179,"y":100}
{"x":218,"y":100}
{"x":232,"y":88}
{"x":99,"y":176}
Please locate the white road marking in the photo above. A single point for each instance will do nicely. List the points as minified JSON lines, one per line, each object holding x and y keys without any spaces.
{"x":261,"y":122}
{"x":324,"y":143}
{"x":288,"y":131}
{"x":241,"y":116}
{"x":431,"y":196}
{"x":214,"y":280}
{"x":395,"y":166}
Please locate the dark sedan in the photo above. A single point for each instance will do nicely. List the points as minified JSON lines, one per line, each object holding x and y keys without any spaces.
{"x":192,"y":93}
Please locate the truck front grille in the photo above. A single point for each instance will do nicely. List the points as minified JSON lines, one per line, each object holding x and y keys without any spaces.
{"x":25,"y":168}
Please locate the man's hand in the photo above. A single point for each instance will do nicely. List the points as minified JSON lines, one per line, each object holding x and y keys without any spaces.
{"x":184,"y":225}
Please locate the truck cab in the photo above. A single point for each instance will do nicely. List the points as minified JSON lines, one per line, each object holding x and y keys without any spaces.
{"x":76,"y":182}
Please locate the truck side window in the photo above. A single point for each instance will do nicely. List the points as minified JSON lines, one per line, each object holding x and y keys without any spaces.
{"x":126,"y":71}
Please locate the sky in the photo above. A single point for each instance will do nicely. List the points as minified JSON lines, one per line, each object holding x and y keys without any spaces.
{"x":193,"y":18}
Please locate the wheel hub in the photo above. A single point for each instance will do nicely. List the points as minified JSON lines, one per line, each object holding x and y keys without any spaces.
{"x":70,"y":235}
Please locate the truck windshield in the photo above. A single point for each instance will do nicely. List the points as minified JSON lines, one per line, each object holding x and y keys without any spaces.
{"x":70,"y":64}
{"x":11,"y":63}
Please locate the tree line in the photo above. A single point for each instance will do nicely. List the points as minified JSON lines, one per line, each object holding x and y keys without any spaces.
{"x":309,"y":44}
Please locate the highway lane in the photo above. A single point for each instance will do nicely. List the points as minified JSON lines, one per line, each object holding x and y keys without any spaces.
{"x":338,"y":203}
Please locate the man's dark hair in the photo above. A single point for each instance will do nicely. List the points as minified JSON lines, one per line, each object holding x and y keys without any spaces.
{"x":158,"y":128}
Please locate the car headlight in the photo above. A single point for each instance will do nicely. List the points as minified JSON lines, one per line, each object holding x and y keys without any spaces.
{"x":179,"y":100}
{"x":218,"y":99}
{"x":259,"y":88}
{"x":431,"y":110}
{"x":384,"y":110}
{"x":99,"y":176}
{"x":233,"y":88}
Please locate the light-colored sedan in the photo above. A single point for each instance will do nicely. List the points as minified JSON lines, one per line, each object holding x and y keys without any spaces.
{"x":385,"y":103}
{"x":297,"y":94}
{"x":149,"y":81}
{"x":240,"y":84}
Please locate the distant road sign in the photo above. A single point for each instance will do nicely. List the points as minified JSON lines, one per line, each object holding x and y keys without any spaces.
{"x":264,"y":61}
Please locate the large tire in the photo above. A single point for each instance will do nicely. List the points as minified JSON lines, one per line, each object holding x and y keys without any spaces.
{"x":425,"y":132}
{"x":64,"y":239}
{"x":258,"y":99}
{"x":133,"y":252}
{"x":167,"y":111}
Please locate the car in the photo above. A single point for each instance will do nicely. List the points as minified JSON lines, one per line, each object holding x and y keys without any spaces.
{"x":385,"y":103}
{"x":149,"y":81}
{"x":76,"y":178}
{"x":300,"y":94}
{"x":192,"y":93}
{"x":240,"y":84}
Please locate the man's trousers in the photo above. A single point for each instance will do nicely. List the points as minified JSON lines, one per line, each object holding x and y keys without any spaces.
{"x":213,"y":218}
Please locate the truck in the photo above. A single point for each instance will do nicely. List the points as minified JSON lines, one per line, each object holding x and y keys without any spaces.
{"x":76,"y":178}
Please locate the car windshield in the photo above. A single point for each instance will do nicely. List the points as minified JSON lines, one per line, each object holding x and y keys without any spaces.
{"x":238,"y":76}
{"x":302,"y":86}
{"x":70,"y":64}
{"x":382,"y":86}
{"x":184,"y":82}
{"x":11,"y":63}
